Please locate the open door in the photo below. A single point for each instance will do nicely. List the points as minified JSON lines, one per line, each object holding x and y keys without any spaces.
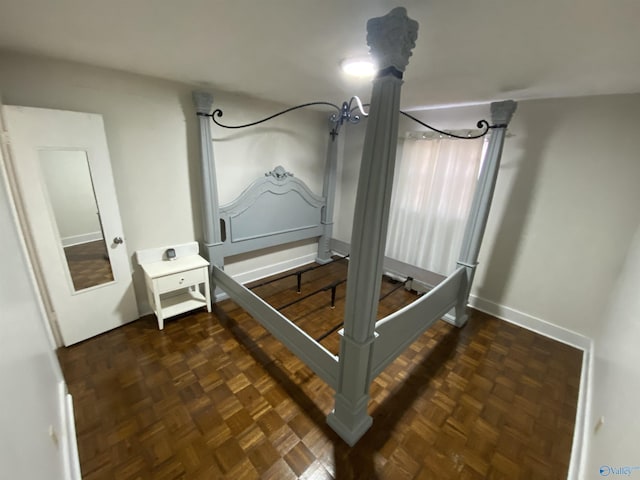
{"x":63,"y":174}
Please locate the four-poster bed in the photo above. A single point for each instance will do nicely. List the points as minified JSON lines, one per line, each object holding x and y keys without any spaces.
{"x":249,"y":223}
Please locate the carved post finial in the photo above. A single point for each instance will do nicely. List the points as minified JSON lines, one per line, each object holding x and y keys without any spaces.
{"x":391,"y":39}
{"x":203,"y":102}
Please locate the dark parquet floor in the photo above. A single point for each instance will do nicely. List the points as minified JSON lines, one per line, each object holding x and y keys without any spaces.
{"x":215,"y":396}
{"x":89,"y":264}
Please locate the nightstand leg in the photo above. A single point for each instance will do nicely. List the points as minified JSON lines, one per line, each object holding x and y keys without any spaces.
{"x":207,"y":295}
{"x":158,"y":308}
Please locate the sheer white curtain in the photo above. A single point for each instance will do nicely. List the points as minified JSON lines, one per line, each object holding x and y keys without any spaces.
{"x":433,"y":189}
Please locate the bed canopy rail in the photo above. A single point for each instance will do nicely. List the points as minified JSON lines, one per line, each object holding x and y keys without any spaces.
{"x":483,"y":125}
{"x":367,"y":346}
{"x":345,"y":114}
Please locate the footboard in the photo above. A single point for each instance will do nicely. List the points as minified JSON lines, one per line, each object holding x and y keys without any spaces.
{"x":398,"y":330}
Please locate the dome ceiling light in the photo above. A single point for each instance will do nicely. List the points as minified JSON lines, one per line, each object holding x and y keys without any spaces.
{"x":361,"y":67}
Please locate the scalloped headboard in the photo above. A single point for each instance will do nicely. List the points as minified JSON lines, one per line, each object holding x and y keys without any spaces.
{"x":275,"y":209}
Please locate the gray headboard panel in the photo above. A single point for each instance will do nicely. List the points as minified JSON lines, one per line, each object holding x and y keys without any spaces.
{"x":275,"y":209}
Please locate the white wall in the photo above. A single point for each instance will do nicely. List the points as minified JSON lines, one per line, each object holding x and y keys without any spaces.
{"x":152,"y":133}
{"x":33,"y":389}
{"x":616,"y":378}
{"x":565,"y":207}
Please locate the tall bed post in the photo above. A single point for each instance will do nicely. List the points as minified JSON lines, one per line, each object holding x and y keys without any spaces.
{"x":391,"y":39}
{"x":211,"y":214}
{"x":501,"y":113}
{"x":329,"y":193}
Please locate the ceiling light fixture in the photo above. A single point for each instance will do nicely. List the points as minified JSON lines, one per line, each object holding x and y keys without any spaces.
{"x":358,"y":67}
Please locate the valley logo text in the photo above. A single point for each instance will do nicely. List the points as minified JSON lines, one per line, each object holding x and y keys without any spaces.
{"x":607,"y":470}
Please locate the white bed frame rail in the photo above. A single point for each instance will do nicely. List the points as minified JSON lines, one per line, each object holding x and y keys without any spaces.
{"x":400,"y":329}
{"x":318,"y":358}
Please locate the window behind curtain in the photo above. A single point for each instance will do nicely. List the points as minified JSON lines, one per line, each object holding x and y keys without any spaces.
{"x":433,"y":188}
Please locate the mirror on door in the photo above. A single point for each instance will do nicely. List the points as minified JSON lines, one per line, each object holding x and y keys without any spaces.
{"x":67,"y":176}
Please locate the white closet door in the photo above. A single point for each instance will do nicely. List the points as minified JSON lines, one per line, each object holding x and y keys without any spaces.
{"x":61,"y":164}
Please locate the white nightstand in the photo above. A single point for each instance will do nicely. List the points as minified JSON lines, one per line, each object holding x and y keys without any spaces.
{"x":173,"y":286}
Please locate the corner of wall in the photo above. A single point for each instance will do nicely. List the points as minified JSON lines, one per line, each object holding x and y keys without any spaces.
{"x":583,"y":421}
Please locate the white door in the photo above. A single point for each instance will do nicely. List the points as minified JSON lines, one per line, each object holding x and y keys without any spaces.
{"x":63,"y":173}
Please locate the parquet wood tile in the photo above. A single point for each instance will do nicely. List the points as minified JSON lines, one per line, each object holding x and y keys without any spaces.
{"x":88,"y":264}
{"x":215,"y":396}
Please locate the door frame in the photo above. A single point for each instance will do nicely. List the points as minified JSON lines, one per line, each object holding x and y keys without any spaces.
{"x":27,"y":235}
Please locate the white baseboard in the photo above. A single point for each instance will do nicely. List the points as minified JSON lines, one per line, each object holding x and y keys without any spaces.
{"x":82,"y":238}
{"x":583,"y":428}
{"x":530,"y":322}
{"x":343,"y":248}
{"x":67,"y":437}
{"x":579,"y":449}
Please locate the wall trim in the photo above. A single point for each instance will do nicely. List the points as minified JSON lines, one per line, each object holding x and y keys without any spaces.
{"x":338,"y":246}
{"x":584,"y":424}
{"x":82,"y":238}
{"x":530,"y":322}
{"x":68,"y":439}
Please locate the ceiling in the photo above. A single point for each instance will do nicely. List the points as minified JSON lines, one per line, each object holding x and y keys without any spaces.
{"x":289,"y":50}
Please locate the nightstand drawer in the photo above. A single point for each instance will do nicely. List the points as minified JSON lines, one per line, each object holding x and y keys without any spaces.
{"x":179,"y":280}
